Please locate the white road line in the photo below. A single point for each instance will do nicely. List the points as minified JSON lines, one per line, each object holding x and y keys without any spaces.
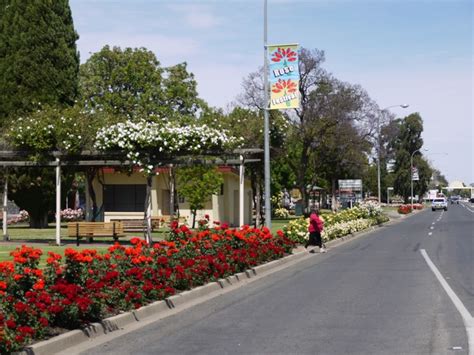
{"x":472,"y":211}
{"x":466,"y":316}
{"x":431,"y":227}
{"x":467,"y":208}
{"x":430,"y":233}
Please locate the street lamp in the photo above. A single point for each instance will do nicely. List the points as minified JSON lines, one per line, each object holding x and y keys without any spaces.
{"x":411,"y":174}
{"x":378,"y":147}
{"x":266,"y":125}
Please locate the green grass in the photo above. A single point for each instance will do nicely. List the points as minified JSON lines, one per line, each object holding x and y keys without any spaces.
{"x":278,"y":224}
{"x":24,"y":233}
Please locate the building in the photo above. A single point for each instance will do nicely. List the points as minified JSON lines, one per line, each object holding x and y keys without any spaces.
{"x":122,"y":196}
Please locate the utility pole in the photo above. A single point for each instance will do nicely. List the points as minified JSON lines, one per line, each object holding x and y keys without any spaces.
{"x":266,"y":131}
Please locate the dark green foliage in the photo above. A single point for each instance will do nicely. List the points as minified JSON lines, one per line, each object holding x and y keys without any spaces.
{"x":197,"y":184}
{"x":39,"y":61}
{"x":408,"y":142}
{"x":34,"y":190}
{"x":131,"y":83}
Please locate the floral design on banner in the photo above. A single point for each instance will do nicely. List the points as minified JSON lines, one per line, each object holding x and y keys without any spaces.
{"x":285,"y":55}
{"x":288,"y":86}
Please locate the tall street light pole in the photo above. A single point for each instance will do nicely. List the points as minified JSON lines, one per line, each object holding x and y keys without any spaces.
{"x":268,"y":212}
{"x":379,"y":187}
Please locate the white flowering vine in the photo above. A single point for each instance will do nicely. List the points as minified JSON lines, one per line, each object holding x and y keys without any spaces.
{"x":139,"y":139}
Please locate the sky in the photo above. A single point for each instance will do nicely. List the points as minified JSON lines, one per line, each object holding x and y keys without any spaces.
{"x":416,"y":52}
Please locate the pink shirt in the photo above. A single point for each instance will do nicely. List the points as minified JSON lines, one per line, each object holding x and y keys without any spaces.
{"x":315,"y":223}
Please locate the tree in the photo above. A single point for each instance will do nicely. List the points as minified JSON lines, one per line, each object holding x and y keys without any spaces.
{"x":325,"y":103}
{"x":197,"y":184}
{"x":341,"y":153}
{"x":39,"y":61}
{"x":407,"y":144}
{"x":66,"y":131}
{"x":131,"y":83}
{"x":438,"y":180}
{"x":388,"y":133}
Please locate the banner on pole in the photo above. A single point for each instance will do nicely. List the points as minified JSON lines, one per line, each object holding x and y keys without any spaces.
{"x":284,"y":76}
{"x":414,"y":174}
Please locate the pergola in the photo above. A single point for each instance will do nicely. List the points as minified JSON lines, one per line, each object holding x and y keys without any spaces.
{"x":10,"y":159}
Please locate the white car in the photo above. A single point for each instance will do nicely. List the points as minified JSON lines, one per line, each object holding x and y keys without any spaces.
{"x":439,"y":203}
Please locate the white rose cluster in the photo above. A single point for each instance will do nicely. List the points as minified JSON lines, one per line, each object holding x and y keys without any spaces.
{"x":370,"y":208}
{"x":341,"y":229}
{"x":169,"y":139}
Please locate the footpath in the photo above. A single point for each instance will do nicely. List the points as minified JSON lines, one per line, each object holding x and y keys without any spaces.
{"x":78,"y":340}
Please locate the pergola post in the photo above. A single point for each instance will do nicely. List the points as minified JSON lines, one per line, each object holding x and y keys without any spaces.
{"x":241,"y":190}
{"x":58,"y":202}
{"x":171,"y":191}
{"x":88,"y":203}
{"x":5,"y":212}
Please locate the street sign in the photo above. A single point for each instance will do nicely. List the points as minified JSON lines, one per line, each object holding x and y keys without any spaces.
{"x":414,"y":174}
{"x":350,"y":184}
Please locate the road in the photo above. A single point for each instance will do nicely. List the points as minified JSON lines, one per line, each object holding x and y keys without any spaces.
{"x":374,"y":295}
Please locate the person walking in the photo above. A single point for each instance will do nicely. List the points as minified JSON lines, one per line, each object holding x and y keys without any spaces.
{"x":315,"y":228}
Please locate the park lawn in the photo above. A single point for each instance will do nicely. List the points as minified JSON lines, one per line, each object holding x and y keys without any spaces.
{"x":24,"y":233}
{"x":278,"y":224}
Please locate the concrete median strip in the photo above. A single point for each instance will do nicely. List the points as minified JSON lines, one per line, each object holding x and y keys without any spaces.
{"x":75,"y":337}
{"x":176,"y":303}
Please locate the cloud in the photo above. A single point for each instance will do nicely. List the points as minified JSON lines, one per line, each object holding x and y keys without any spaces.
{"x":196,"y":16}
{"x":168,"y":49}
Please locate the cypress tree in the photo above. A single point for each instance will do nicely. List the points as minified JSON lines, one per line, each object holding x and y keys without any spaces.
{"x":39,"y":61}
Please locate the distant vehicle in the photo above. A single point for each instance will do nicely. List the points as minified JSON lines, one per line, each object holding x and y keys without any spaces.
{"x":439,"y":203}
{"x":471,"y":200}
{"x":455,"y":199}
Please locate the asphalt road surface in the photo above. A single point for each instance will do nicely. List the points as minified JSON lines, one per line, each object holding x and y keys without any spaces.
{"x":377,"y":294}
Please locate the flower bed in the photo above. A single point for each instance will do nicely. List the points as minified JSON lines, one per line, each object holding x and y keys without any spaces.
{"x":86,"y":286}
{"x":71,"y":215}
{"x":23,"y":216}
{"x":339,"y":224}
{"x":404,"y":209}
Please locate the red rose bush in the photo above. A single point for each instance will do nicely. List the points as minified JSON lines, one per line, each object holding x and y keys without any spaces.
{"x":84,"y":286}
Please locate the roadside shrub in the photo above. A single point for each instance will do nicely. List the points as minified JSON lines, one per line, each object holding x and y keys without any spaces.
{"x":337,"y":225}
{"x":404,"y":209}
{"x":297,"y":230}
{"x":22,"y":216}
{"x":281,"y":213}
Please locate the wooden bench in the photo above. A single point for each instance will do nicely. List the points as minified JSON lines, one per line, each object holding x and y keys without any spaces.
{"x":136,"y":225}
{"x":95,"y":229}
